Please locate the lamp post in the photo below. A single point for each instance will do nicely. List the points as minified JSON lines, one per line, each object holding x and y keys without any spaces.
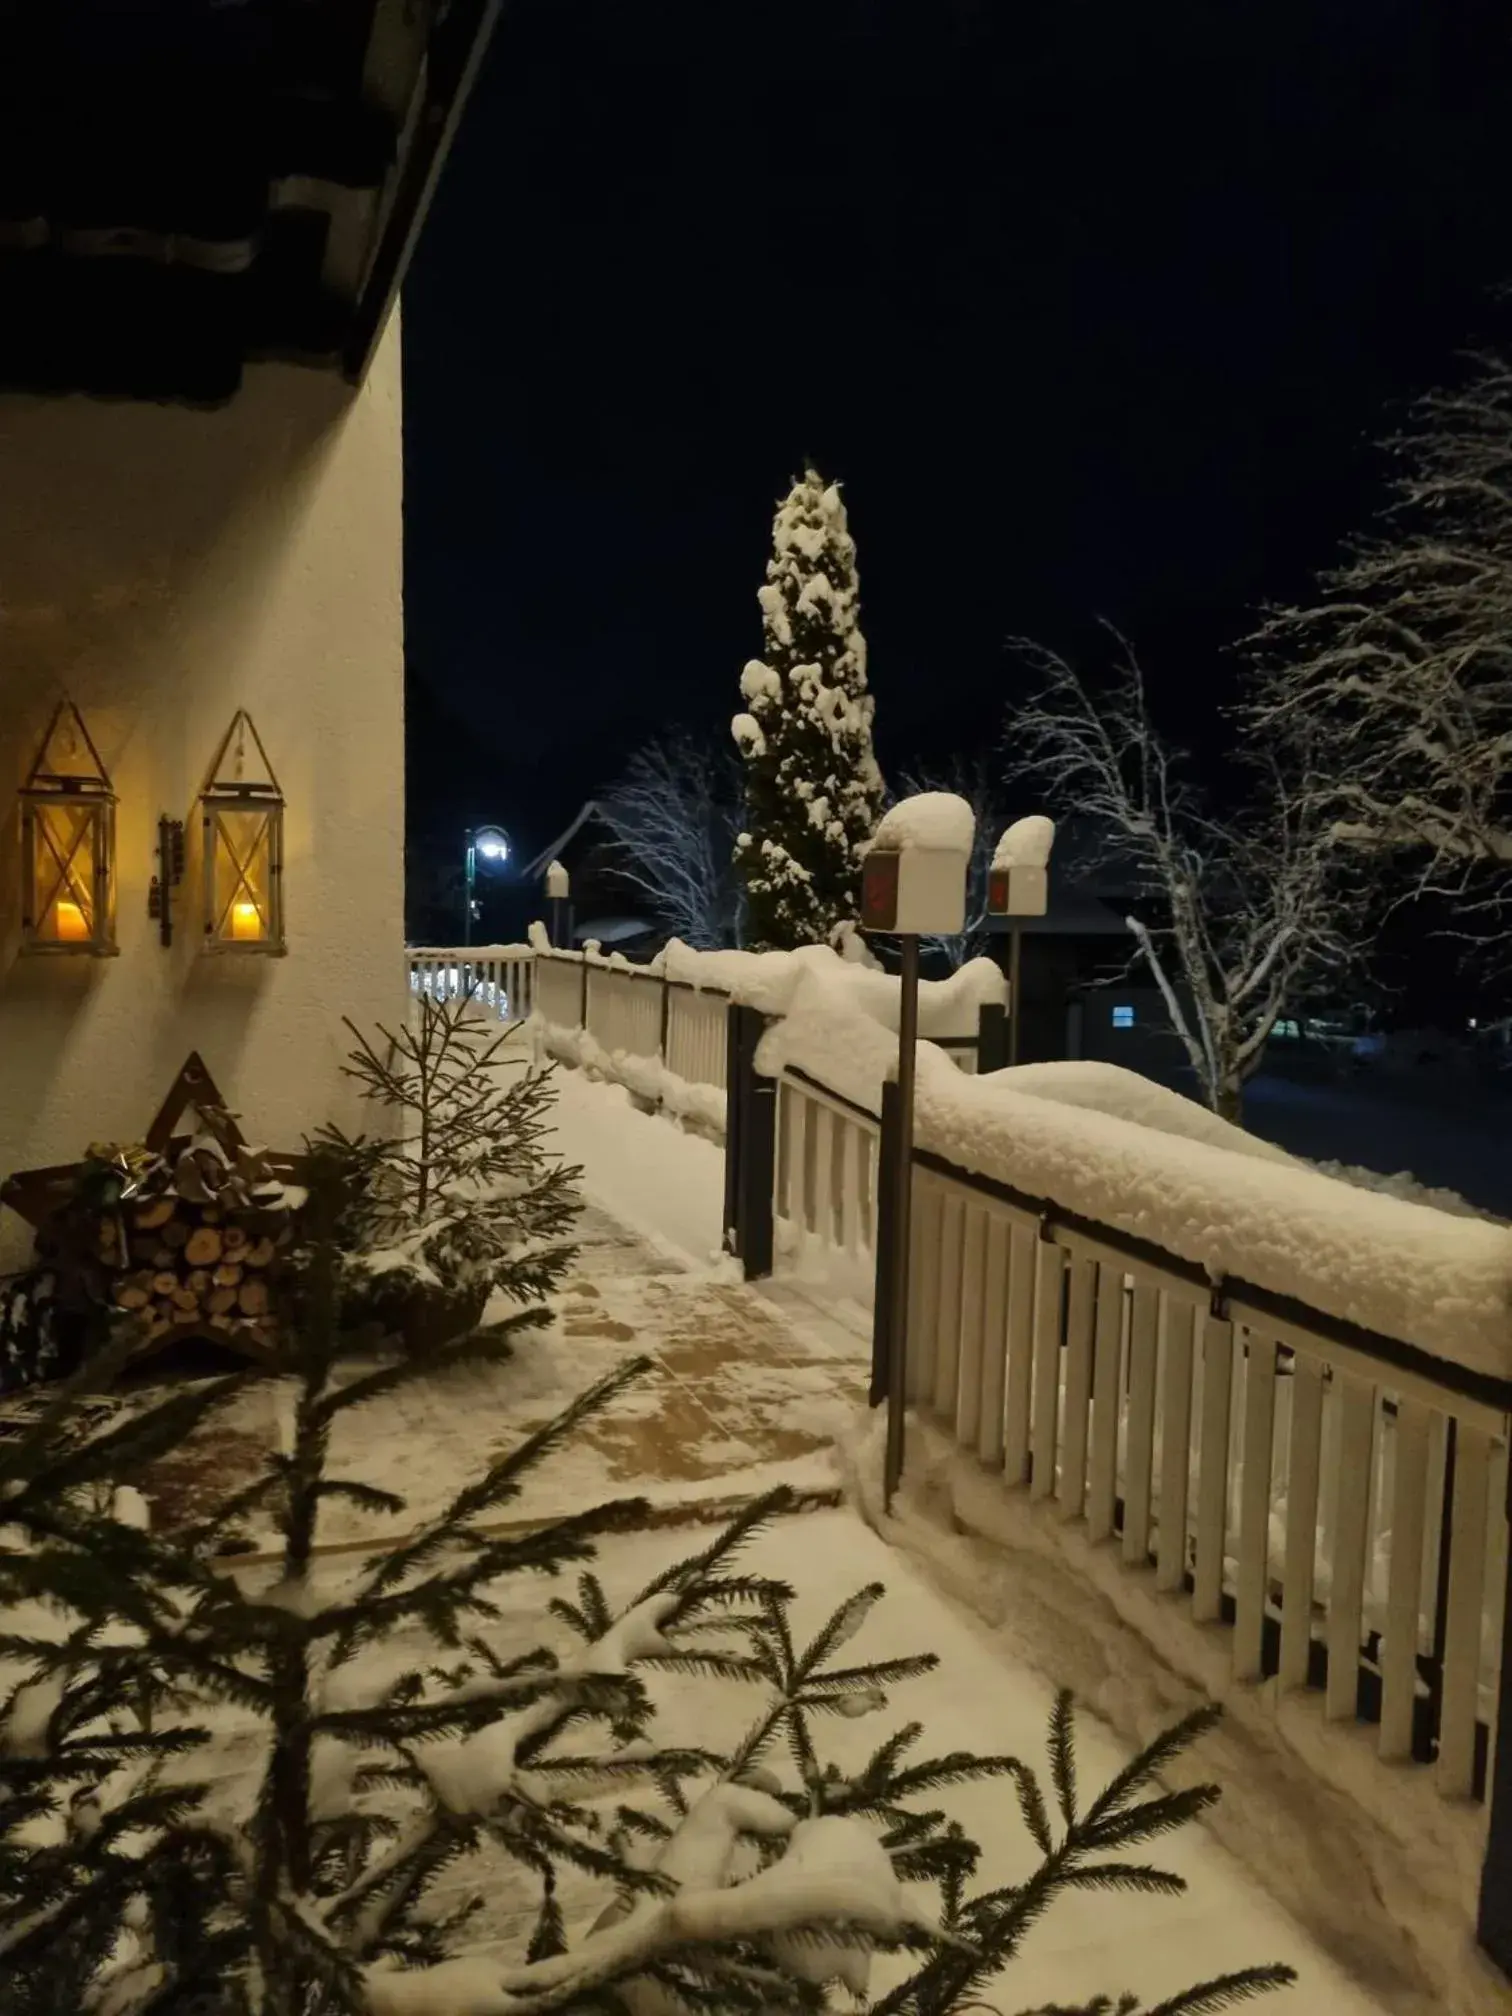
{"x":1018,"y":885}
{"x":558,"y":894}
{"x":913,"y":883}
{"x":491,"y":844}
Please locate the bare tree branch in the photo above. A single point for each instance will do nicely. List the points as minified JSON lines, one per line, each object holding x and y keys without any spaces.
{"x":1237,"y":914}
{"x":1401,"y":674}
{"x":674,"y":815}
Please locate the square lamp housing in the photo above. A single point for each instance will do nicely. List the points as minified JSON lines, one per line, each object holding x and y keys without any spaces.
{"x":1019,"y":891}
{"x":913,"y":890}
{"x":68,"y":844}
{"x":241,"y":825}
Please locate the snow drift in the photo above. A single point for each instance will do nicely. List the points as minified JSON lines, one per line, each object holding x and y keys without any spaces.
{"x":1162,"y":1169}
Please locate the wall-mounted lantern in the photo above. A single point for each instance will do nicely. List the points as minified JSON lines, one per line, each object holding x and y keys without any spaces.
{"x":241,"y":809}
{"x":68,"y":843}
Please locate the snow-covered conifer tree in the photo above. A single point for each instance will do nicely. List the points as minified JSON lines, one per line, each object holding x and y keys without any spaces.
{"x":813,"y":789}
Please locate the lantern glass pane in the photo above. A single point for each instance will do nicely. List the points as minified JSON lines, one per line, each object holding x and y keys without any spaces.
{"x":242,"y":884}
{"x":66,"y":858}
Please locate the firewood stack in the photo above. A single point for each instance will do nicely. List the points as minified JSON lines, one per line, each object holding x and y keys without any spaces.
{"x":203,"y":1237}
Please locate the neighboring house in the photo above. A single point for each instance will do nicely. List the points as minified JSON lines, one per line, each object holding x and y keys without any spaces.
{"x":1067,"y":970}
{"x":210,"y":551}
{"x":604,"y":907}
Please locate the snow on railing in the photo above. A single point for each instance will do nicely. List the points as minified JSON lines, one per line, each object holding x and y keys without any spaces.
{"x":661,"y":1027}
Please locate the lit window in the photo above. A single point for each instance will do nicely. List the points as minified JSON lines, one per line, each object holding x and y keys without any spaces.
{"x":1123,"y":1018}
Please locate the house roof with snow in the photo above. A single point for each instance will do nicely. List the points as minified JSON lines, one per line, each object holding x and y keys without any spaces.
{"x":189,"y":185}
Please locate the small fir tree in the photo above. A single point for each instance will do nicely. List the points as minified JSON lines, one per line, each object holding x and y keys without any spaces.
{"x":461,"y":1199}
{"x":250,"y":1795}
{"x":813,"y":790}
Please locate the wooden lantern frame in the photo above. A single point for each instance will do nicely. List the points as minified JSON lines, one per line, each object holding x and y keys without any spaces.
{"x":68,"y":812}
{"x":232,"y":806}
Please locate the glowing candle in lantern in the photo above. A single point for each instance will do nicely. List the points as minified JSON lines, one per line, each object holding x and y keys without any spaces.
{"x":246,"y":921}
{"x":73,"y":927}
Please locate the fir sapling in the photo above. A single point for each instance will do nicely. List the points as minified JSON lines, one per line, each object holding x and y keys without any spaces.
{"x":461,"y":1200}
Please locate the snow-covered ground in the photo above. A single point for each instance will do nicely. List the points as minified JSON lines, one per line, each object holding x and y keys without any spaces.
{"x":977,"y":1700}
{"x":670,"y":1184}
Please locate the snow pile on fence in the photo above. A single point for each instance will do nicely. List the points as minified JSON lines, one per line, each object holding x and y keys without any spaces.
{"x":771,"y":981}
{"x":646,"y":1078}
{"x":1109,"y":1088}
{"x":1403,"y":1269}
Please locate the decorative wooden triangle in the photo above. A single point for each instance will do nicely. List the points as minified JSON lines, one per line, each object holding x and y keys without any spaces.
{"x":38,"y":1194}
{"x":194,"y":1089}
{"x":217,"y":782}
{"x":68,"y":759}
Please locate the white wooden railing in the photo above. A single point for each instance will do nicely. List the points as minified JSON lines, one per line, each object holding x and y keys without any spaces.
{"x":630,"y":1012}
{"x":1340,"y":1504}
{"x":497,"y":979}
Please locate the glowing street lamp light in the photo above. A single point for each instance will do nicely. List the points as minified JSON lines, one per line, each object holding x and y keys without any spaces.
{"x":491,"y":845}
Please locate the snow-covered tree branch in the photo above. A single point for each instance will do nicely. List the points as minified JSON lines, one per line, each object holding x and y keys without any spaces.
{"x":1400,"y":675}
{"x":675,"y":812}
{"x":1235,"y":914}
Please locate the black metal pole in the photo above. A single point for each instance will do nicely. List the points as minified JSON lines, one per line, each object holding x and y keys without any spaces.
{"x":1014,"y":938}
{"x":471,"y":870}
{"x":908,"y":1045}
{"x":1494,"y":1926}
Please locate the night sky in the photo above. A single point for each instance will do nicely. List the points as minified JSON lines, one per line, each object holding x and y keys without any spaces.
{"x":1093,"y":308}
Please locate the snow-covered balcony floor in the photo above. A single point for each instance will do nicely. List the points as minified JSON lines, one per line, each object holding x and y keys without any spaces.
{"x":735,"y":1400}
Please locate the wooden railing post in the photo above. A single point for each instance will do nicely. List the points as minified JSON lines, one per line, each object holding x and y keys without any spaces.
{"x":992,"y":1037}
{"x":666,"y":1011}
{"x":887,"y":1188}
{"x":583,"y":1011}
{"x":750,"y":1146}
{"x":1494,"y":1924}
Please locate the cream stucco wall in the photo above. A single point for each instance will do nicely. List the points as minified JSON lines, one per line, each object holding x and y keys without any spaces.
{"x":165,"y":567}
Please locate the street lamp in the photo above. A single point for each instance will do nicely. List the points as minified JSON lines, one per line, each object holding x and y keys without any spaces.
{"x":489,"y":844}
{"x":1018,"y":886}
{"x":559,"y":896}
{"x":913,"y":883}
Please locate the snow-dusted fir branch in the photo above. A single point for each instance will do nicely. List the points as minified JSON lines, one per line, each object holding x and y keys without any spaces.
{"x":675,"y":812}
{"x":1400,"y":673}
{"x":378,"y":1751}
{"x":813,"y":792}
{"x":1234,"y":913}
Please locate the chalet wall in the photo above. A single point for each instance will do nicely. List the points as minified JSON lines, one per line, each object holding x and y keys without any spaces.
{"x":165,"y":567}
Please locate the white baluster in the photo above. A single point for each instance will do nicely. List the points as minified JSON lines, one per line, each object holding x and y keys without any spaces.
{"x":1399,"y":1643}
{"x":1175,"y":1440}
{"x":1071,"y":1494}
{"x":1139,"y":1456}
{"x":1302,"y":1467}
{"x":1254,"y":1506}
{"x":1465,"y":1611}
{"x":968,"y":1404}
{"x":1107,"y":1401}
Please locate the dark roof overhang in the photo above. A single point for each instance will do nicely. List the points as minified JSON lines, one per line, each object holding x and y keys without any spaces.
{"x":189,"y":184}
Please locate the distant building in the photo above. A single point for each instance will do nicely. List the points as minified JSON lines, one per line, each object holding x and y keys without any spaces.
{"x":1084,"y":994}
